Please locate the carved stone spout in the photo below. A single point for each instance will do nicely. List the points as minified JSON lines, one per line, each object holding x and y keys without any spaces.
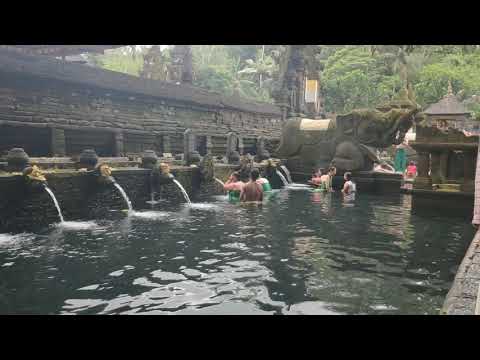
{"x":161,"y":175}
{"x":34,"y":177}
{"x":103,"y":172}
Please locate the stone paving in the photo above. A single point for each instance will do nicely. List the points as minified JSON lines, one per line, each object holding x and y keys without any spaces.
{"x":462,"y":299}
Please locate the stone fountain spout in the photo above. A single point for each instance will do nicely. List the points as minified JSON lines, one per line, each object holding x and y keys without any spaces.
{"x":103,"y":172}
{"x":34,"y":178}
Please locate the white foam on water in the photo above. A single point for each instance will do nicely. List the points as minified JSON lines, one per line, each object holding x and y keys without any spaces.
{"x":203,"y":206}
{"x":8,"y":239}
{"x":150,"y":215}
{"x":298,"y":187}
{"x":78,"y":225}
{"x":221,"y":197}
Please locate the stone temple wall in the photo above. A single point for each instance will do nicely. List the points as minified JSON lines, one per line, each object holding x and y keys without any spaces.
{"x":51,"y":108}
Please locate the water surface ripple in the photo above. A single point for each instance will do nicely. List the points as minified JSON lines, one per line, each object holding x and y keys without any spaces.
{"x":300,"y":253}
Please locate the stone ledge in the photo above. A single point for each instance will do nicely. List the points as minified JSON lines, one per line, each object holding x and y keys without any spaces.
{"x":462,"y":297}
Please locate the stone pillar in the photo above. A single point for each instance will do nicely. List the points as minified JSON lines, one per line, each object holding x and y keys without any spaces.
{"x":444,"y":165}
{"x":468,"y":171}
{"x":232,"y":154}
{"x":58,"y":145}
{"x":232,"y":142}
{"x":209,"y":144}
{"x":240,"y":145}
{"x":435,"y":167}
{"x":188,"y":141}
{"x":423,"y":180}
{"x":119,"y":144}
{"x":188,"y":144}
{"x":476,"y":206}
{"x":167,"y":145}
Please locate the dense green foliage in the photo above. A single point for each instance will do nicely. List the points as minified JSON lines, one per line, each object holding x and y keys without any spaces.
{"x":351,"y":76}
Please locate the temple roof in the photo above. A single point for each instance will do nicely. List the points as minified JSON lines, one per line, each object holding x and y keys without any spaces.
{"x":448,"y":105}
{"x":50,"y":68}
{"x":58,"y":50}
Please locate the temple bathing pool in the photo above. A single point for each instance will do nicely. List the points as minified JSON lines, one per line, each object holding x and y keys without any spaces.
{"x":300,"y":253}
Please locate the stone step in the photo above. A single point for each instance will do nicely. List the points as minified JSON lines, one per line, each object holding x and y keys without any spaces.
{"x":449,"y":187}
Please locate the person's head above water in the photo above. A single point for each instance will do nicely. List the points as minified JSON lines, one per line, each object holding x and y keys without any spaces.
{"x":254,"y":174}
{"x":347,"y":176}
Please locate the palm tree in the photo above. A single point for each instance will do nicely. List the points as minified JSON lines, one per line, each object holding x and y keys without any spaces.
{"x":240,"y":86}
{"x":263,"y":66}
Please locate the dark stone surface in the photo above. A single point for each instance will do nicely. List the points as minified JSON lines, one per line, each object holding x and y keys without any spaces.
{"x":81,"y":197}
{"x":47,"y":115}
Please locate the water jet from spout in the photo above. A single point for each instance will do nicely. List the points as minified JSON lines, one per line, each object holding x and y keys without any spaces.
{"x":185,"y":195}
{"x":57,"y":206}
{"x":124,"y":195}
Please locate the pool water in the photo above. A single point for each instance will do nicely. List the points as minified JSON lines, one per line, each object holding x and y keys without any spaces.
{"x":302,"y":252}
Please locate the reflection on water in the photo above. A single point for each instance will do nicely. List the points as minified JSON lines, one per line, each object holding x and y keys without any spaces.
{"x":302,"y":252}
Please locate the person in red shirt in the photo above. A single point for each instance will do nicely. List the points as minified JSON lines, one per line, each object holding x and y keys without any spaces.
{"x":411,"y":171}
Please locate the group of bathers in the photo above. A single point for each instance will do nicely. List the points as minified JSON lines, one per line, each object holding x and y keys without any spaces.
{"x":251,"y":191}
{"x":323,"y":182}
{"x":254,"y":189}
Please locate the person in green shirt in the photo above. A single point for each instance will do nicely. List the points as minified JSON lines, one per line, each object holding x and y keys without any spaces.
{"x":265,"y":184}
{"x":400,"y":159}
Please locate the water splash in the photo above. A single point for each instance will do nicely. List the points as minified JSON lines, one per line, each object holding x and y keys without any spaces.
{"x":79,"y":225}
{"x":125,"y":197}
{"x":285,"y":182}
{"x":204,"y":206}
{"x":219,"y":181}
{"x":151,"y":215}
{"x":52,"y":195}
{"x":152,"y":199}
{"x":185,"y":195}
{"x":287,"y":173}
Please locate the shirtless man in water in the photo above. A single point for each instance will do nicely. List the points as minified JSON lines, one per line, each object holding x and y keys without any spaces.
{"x":252,"y":191}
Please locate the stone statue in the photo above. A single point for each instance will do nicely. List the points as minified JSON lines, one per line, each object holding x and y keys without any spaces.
{"x":262,"y":152}
{"x":246,"y":166}
{"x":149,"y":159}
{"x":193,"y":158}
{"x":233,"y":155}
{"x":350,"y":141}
{"x":206,"y":169}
